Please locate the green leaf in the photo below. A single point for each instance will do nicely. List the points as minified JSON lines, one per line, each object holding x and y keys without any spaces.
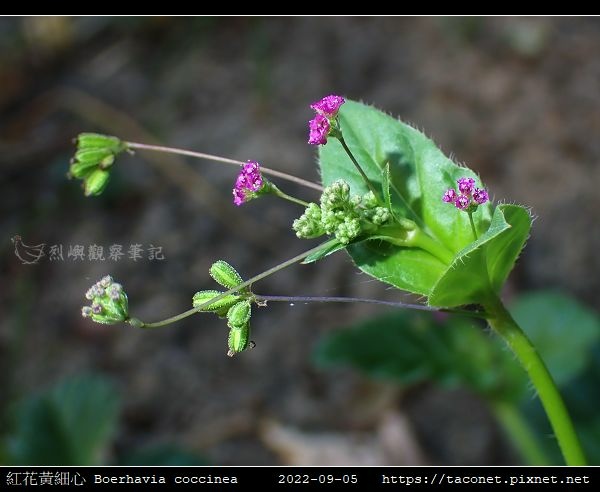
{"x":70,"y":424}
{"x":562,"y":330}
{"x":419,"y":175}
{"x":328,"y":248}
{"x":410,"y":269}
{"x":466,"y":281}
{"x":411,"y":347}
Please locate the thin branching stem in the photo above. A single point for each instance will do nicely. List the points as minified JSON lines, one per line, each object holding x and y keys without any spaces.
{"x":223,"y":160}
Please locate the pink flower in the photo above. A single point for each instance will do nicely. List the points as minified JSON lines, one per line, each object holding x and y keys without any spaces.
{"x":329,"y":105}
{"x":465,"y":185}
{"x":319,"y":129}
{"x":449,"y":196}
{"x":248,"y":181}
{"x":480,"y":196}
{"x":462,"y":202}
{"x":239,"y":196}
{"x":468,"y":198}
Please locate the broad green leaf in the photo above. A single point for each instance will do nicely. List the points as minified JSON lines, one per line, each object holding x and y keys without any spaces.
{"x":70,"y":424}
{"x":410,"y":269}
{"x":466,"y":281}
{"x":419,"y":175}
{"x":409,"y":347}
{"x":562,"y":330}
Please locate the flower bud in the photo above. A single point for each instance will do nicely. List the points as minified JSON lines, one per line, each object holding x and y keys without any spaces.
{"x":94,"y":156}
{"x":221,"y":307}
{"x":109,"y":302}
{"x":239,"y":314}
{"x":96,"y":182}
{"x":224,"y":274}
{"x":98,"y":141}
{"x":239,"y":339}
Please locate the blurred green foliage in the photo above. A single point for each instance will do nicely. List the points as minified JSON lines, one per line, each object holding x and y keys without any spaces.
{"x":68,"y":424}
{"x":75,"y":423}
{"x":411,"y":347}
{"x":561,"y":328}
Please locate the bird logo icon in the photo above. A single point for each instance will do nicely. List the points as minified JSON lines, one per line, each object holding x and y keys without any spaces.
{"x":29,"y":255}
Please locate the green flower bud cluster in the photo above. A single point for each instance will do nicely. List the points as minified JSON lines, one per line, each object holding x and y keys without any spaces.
{"x":341,"y":214}
{"x":109,"y":302}
{"x":237,"y":308}
{"x":94,"y":156}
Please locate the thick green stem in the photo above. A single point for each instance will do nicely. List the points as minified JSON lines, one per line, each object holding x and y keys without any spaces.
{"x":520,"y":434}
{"x":504,"y":324}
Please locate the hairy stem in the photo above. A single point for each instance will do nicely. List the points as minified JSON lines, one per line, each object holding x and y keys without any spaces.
{"x":504,"y":324}
{"x":357,"y":165}
{"x":224,"y":160}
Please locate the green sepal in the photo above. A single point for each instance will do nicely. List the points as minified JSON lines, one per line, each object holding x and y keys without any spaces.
{"x":224,"y":274}
{"x":220,"y":307}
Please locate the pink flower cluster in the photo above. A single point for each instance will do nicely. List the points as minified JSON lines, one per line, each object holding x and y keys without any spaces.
{"x":326,"y":109}
{"x":248,"y":181}
{"x":467,"y":195}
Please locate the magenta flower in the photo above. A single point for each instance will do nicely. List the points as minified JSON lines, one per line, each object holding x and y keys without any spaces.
{"x":251,"y":176}
{"x":249,"y":180}
{"x":462,"y":202}
{"x":329,"y":105}
{"x":480,"y":196}
{"x":449,"y":196}
{"x":466,"y":185}
{"x":468,"y":198}
{"x":319,"y":129}
{"x":239,"y":196}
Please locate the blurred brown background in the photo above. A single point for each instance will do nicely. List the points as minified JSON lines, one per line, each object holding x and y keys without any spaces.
{"x":517,"y":99}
